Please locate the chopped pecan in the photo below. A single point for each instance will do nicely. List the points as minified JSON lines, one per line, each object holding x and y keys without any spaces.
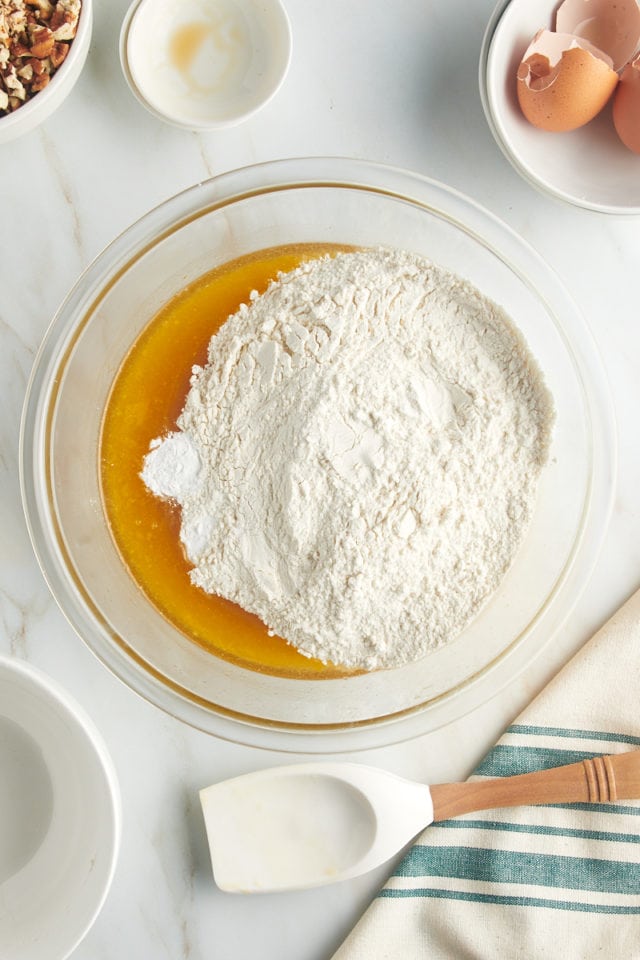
{"x":63,"y":23}
{"x":40,"y":83}
{"x":42,"y":41}
{"x":57,"y":17}
{"x":38,"y":66}
{"x":13,"y":84}
{"x":18,"y":50}
{"x":44,"y":7}
{"x":58,"y":54}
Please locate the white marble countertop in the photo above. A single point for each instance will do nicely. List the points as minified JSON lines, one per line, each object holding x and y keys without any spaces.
{"x":391,"y":82}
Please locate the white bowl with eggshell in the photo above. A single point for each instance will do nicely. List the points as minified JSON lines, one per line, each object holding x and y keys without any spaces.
{"x":205,"y":64}
{"x":37,"y":108}
{"x":588,"y":166}
{"x":239,"y":214}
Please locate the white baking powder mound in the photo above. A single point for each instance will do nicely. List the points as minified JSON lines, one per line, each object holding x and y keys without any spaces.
{"x":357,"y":462}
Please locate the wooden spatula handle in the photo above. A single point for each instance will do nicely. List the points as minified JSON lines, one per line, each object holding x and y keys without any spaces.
{"x":599,"y":780}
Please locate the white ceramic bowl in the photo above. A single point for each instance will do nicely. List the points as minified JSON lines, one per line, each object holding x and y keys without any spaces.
{"x":59,"y":817}
{"x":588,"y":167}
{"x":205,"y":64}
{"x":32,"y":113}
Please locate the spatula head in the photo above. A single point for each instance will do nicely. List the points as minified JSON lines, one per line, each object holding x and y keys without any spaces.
{"x":305,"y":825}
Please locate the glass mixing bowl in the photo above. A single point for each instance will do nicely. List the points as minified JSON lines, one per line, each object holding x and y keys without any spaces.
{"x":308,"y":201}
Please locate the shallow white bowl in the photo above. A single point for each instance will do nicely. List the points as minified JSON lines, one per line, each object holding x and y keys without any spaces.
{"x":59,"y":817}
{"x":42,"y":105}
{"x":589,"y":167}
{"x":228,"y":59}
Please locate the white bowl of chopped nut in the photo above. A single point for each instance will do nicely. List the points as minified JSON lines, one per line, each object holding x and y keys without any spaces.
{"x":43,"y":47}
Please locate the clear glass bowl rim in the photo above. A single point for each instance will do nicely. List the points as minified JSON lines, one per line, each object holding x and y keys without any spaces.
{"x":473,"y":220}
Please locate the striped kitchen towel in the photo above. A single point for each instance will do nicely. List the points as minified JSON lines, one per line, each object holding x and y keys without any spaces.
{"x":546,"y":882}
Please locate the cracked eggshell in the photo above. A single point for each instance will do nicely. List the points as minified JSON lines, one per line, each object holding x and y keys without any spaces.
{"x":626,"y":106}
{"x":563,"y":81}
{"x":612,"y":26}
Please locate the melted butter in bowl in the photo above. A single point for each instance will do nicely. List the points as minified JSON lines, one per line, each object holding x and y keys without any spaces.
{"x":203,"y":64}
{"x":145,"y":401}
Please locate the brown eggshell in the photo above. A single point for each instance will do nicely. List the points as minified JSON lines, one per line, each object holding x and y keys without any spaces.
{"x":626,"y":107}
{"x":611,"y":25}
{"x":563,"y":81}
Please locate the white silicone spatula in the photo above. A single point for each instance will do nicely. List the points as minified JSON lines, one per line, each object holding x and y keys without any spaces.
{"x":304,"y":825}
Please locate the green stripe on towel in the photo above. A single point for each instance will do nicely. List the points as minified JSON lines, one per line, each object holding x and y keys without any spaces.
{"x":510,"y":866}
{"x":429,"y":893}
{"x":613,"y":807}
{"x":505,"y":760}
{"x":568,"y":733}
{"x":538,"y":829}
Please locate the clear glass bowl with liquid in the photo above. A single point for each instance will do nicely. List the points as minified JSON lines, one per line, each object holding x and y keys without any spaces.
{"x":302,"y":201}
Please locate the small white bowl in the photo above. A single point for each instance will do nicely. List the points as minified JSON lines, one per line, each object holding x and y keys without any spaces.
{"x":32,"y":113}
{"x":205,"y":64}
{"x":60,"y":819}
{"x":588,"y":167}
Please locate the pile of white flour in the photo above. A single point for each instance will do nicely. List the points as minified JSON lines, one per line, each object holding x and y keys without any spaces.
{"x":357,"y":462}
